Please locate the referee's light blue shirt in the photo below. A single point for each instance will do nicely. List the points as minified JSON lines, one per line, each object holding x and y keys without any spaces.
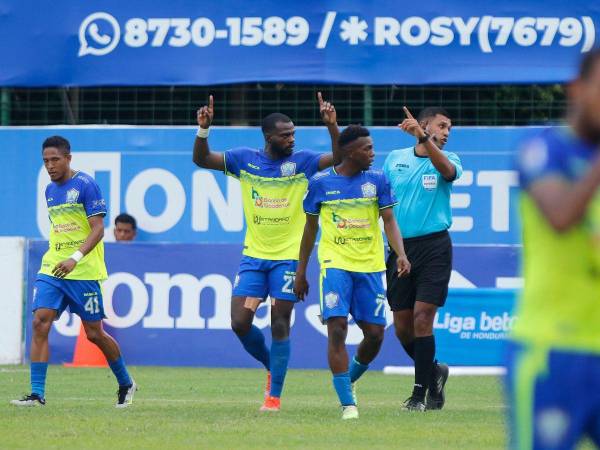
{"x":422,"y":193}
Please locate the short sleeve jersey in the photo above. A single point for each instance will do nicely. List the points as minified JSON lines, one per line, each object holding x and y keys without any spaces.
{"x":423,"y":193}
{"x":349,"y":213}
{"x":560,"y":302}
{"x":69,"y":206}
{"x":272,"y":192}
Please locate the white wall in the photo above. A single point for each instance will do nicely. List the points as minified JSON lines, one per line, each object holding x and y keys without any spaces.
{"x":12,"y":267}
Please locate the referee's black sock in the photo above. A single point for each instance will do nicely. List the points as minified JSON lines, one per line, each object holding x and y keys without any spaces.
{"x":409,"y":348}
{"x":424,"y":352}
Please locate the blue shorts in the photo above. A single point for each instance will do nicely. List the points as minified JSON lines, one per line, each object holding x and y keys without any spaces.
{"x":360,"y":294}
{"x":264,"y":277}
{"x":83,"y":297}
{"x":554,"y":397}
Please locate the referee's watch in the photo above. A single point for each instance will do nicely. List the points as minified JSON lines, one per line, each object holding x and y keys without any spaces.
{"x":425,"y":138}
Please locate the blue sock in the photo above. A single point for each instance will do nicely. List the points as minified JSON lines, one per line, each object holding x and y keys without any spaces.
{"x":38,"y":378}
{"x":342,"y":385}
{"x":118,"y":368}
{"x":254,"y":343}
{"x":280,"y":355}
{"x":357,"y":369}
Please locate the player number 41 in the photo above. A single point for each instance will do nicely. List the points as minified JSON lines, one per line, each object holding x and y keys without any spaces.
{"x":92,"y":306}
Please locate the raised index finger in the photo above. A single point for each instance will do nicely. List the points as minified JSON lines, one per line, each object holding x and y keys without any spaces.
{"x":320,"y":98}
{"x":210,"y":101}
{"x":407,"y":112}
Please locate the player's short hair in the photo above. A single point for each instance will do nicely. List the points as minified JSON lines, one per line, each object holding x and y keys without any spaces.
{"x":430,"y":112}
{"x":58,"y":142}
{"x":588,"y":62}
{"x":126,"y":218}
{"x":270,"y":122}
{"x":351,"y":133}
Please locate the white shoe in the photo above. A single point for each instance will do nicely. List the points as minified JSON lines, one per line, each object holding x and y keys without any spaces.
{"x":125,"y":395}
{"x":349,"y":412}
{"x":30,"y":400}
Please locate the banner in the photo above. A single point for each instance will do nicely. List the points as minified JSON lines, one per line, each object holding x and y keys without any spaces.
{"x":350,"y":41}
{"x":169,"y":304}
{"x":148,"y":172}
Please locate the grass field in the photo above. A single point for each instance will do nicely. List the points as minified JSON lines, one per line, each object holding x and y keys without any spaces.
{"x":178,"y":408}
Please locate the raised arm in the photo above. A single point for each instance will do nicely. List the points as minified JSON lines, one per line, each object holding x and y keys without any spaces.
{"x":564,"y":203}
{"x":329,"y":117}
{"x":437,"y":157}
{"x":306,"y":246}
{"x":202,"y":156}
{"x":63,"y":268}
{"x":392,"y":231}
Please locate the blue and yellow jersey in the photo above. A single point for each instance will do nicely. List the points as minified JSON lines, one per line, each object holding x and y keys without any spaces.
{"x":422,"y":192}
{"x":560,"y":303}
{"x":69,"y":206}
{"x":272,"y":192}
{"x":349,"y":211}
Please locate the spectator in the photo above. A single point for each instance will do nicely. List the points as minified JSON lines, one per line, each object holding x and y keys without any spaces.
{"x":125,"y":227}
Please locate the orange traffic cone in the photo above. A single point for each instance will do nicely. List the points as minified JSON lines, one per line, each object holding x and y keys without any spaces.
{"x":86,"y":353}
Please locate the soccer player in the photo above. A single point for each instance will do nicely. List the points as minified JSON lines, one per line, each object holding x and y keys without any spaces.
{"x":554,"y":358}
{"x":72,"y":270}
{"x":273,"y":181}
{"x":349,"y":199}
{"x":421,"y":177}
{"x":125,"y":228}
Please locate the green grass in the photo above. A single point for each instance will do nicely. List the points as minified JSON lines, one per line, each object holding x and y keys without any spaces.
{"x":178,"y":408}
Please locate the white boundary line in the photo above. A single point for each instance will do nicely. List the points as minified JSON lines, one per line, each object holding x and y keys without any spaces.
{"x":454,"y":370}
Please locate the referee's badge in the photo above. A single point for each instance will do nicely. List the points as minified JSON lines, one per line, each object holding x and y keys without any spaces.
{"x":331,"y":300}
{"x":430,"y":182}
{"x":369,"y":190}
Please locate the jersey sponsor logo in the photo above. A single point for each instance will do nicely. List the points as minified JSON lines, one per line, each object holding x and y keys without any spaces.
{"x":261,"y":220}
{"x":349,"y":223}
{"x":65,"y":227}
{"x":268,"y":202}
{"x":339,"y":240}
{"x":288,"y":169}
{"x":72,"y":195}
{"x":99,"y":203}
{"x":402,"y":166}
{"x":429,"y":182}
{"x":369,"y":190}
{"x":331,"y":300}
{"x":71,"y":244}
{"x":332,"y":193}
{"x":236,"y":281}
{"x":253,"y":166}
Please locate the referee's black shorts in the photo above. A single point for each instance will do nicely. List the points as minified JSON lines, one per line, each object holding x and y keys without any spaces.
{"x":430,"y":257}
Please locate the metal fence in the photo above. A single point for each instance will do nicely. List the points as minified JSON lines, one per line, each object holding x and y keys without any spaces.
{"x":246,"y":104}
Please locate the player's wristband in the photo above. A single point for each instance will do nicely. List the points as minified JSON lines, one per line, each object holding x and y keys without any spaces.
{"x":76,"y":256}
{"x":203,"y":132}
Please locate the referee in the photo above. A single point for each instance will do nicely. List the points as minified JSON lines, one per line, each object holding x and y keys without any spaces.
{"x":421,"y":178}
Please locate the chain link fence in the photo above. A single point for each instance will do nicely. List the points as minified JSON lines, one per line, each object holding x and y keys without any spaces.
{"x":246,"y":104}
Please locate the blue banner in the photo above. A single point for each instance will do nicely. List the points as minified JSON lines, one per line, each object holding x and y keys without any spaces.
{"x":169,"y":304}
{"x":148,"y":172}
{"x":350,"y":41}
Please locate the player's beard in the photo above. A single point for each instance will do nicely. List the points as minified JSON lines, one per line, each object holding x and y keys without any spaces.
{"x":282,"y":152}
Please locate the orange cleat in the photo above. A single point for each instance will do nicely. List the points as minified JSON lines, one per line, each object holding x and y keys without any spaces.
{"x":271,"y":404}
{"x":268,"y":386}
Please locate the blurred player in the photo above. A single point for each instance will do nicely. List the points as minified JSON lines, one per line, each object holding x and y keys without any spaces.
{"x":554,"y":359}
{"x":125,"y":228}
{"x":273,"y":181}
{"x":349,"y":199}
{"x":72,"y":270}
{"x":421,"y":177}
